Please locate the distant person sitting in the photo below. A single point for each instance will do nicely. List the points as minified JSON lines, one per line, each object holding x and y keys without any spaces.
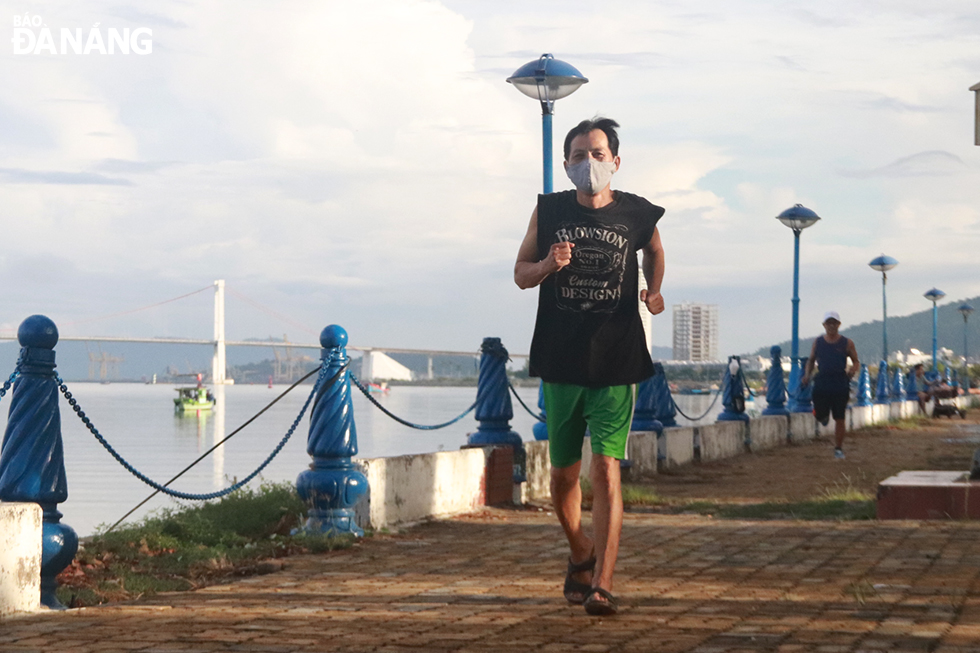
{"x":923,"y":387}
{"x":832,"y":383}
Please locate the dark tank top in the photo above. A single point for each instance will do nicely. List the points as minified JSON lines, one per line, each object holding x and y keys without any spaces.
{"x":588,"y":329}
{"x":831,"y":377}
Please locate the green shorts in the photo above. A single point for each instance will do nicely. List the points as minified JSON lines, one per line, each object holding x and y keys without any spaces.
{"x":607,"y":412}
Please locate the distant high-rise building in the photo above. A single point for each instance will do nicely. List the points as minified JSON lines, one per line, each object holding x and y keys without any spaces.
{"x":695,"y":332}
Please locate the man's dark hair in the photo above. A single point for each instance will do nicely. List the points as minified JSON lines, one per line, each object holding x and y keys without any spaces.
{"x":918,"y":366}
{"x":606,"y":125}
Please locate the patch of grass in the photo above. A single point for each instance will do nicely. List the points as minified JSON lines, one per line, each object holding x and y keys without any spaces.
{"x":633,"y":495}
{"x":640,"y":495}
{"x":805,"y":510}
{"x":844,"y":490}
{"x":189,"y":547}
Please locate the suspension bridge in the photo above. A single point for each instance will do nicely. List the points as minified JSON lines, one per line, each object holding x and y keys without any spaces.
{"x":219,"y":366}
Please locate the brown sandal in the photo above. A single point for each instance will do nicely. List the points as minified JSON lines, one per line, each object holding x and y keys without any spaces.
{"x":599,"y":608}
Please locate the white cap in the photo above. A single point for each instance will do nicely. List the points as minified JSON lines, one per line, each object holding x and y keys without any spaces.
{"x":831,"y":315}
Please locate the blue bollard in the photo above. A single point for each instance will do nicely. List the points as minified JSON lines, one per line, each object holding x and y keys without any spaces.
{"x":911,"y":387}
{"x":947,"y":374}
{"x":493,"y":408}
{"x":647,"y":407}
{"x":775,"y":386}
{"x":733,"y":393}
{"x":540,"y":429}
{"x":882,"y":393}
{"x":898,"y":387}
{"x":32,"y":461}
{"x":664,"y":412}
{"x":804,"y":398}
{"x":332,"y":484}
{"x":793,"y":388}
{"x":864,"y":387}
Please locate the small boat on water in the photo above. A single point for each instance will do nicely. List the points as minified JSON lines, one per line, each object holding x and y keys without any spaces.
{"x":694,"y":391}
{"x":193,"y":399}
{"x":380,"y":388}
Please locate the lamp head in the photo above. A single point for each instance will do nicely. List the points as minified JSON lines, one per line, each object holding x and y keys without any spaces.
{"x":883,"y":263}
{"x":965,"y":309}
{"x":798,"y":217}
{"x":547,"y":79}
{"x":934,"y":295}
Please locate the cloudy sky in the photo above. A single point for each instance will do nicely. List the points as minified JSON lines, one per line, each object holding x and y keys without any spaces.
{"x":364,"y":163}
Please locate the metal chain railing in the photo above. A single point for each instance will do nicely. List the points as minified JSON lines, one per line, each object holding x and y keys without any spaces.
{"x":367,"y":393}
{"x":187,"y":495}
{"x":521,"y":402}
{"x":9,"y":382}
{"x":703,"y":415}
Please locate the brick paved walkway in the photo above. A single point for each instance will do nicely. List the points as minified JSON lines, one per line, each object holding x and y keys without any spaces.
{"x":493,"y":583}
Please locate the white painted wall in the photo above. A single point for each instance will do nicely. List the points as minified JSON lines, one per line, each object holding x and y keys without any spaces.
{"x":20,"y":558}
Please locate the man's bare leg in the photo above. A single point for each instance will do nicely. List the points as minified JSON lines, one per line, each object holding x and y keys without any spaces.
{"x":566,"y":497}
{"x":607,"y":518}
{"x":839,"y":431}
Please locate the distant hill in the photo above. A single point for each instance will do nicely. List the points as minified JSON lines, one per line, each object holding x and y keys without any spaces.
{"x":904,"y":332}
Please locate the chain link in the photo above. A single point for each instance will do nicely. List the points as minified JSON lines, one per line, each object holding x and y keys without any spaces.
{"x":9,"y":382}
{"x":174,"y":493}
{"x":367,"y":393}
{"x":521,"y":402}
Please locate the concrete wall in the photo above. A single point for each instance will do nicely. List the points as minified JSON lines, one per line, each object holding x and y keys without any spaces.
{"x":768,"y":431}
{"x":20,"y":557}
{"x":538,"y":485}
{"x":642,"y":452}
{"x":407,"y":489}
{"x":722,"y":440}
{"x":678,"y":446}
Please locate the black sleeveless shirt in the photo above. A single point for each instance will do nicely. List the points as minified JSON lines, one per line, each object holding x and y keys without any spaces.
{"x":588,"y":329}
{"x":831,"y":377}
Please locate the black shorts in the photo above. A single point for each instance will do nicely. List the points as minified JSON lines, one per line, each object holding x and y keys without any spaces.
{"x":826,"y":404}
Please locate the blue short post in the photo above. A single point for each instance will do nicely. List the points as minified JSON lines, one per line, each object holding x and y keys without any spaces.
{"x":864,"y":387}
{"x":665,"y":411}
{"x":898,"y":387}
{"x":540,"y":429}
{"x":32,"y":461}
{"x":493,"y":408}
{"x":646,"y":409}
{"x":881,"y":393}
{"x":775,"y":385}
{"x":733,"y":393}
{"x":804,"y":398}
{"x":911,"y":387}
{"x":332,"y":484}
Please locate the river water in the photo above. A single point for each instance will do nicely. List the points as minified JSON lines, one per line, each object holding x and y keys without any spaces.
{"x":139,"y":422}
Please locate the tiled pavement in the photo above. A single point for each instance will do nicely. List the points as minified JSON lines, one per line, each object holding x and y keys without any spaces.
{"x":492,"y":583}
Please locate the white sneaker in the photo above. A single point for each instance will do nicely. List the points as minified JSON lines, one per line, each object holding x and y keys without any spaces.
{"x":839,"y":454}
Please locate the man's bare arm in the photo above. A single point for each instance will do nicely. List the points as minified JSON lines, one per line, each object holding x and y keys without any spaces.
{"x":528,"y":270}
{"x":809,"y":364}
{"x":653,"y":272}
{"x":852,"y":353}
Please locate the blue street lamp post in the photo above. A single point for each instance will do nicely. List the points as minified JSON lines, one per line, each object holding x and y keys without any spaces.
{"x":546,"y":79}
{"x":934,"y":295}
{"x":883,"y":264}
{"x":965,"y":309}
{"x":796,"y":218}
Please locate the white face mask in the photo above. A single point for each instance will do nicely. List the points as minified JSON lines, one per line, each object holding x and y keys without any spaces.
{"x":591,"y":176}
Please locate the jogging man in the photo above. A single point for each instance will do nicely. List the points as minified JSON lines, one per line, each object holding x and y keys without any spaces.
{"x":832,"y":384}
{"x":589,"y":347}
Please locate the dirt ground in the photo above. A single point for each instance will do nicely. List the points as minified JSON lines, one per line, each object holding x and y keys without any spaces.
{"x":809,"y":470}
